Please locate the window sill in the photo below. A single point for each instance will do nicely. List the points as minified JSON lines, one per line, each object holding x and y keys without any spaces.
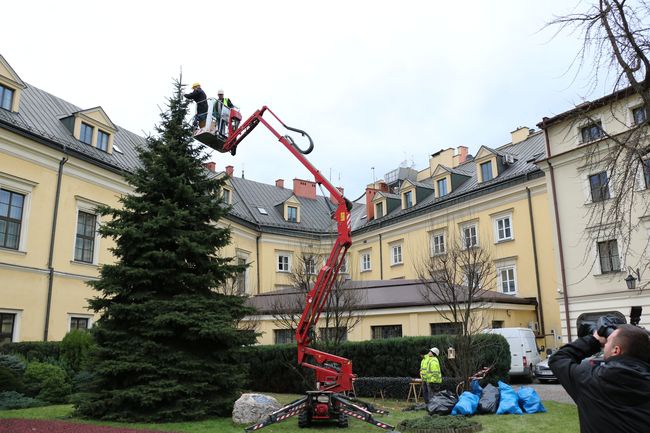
{"x":283,"y":272}
{"x":504,"y":241}
{"x":610,"y":274}
{"x":367,"y":270}
{"x":12,"y":251}
{"x":92,"y":265}
{"x":394,"y":265}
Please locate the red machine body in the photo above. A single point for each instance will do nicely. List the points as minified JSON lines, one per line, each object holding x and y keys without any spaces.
{"x":333,"y":373}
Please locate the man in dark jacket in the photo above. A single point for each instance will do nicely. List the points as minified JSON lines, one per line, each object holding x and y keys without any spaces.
{"x":198,"y":96}
{"x":613,"y":396}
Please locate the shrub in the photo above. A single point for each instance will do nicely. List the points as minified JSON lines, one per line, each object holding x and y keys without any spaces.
{"x":16,"y":400}
{"x":48,"y":382}
{"x":75,"y":347}
{"x":33,"y":350}
{"x":14,"y":363}
{"x":9,"y":380}
{"x":446,"y":424}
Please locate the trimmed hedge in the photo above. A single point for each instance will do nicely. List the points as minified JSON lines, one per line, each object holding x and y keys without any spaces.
{"x":34,"y":350}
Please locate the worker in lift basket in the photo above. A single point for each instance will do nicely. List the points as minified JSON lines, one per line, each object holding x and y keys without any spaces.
{"x":224,"y":106}
{"x":198,"y":96}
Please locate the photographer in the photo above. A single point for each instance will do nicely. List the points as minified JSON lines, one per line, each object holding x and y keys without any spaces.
{"x":613,"y":396}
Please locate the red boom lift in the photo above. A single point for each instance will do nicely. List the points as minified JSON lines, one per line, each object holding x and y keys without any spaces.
{"x":333,"y":373}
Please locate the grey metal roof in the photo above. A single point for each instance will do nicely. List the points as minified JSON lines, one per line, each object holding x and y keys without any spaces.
{"x":40,"y":115}
{"x":525,"y":152}
{"x":375,"y":295}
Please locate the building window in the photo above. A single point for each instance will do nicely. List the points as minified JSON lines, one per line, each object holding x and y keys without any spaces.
{"x":225,"y":196}
{"x":470,"y":238}
{"x":608,"y":253}
{"x":292,"y":214}
{"x":283,"y":263}
{"x":504,"y":229}
{"x":334,"y":333}
{"x":646,"y":172}
{"x":365,"y":262}
{"x":438,"y":243}
{"x":85,"y":244}
{"x":446,"y":328}
{"x":241,"y":277}
{"x":6,"y":97}
{"x":379,"y":210}
{"x":344,"y":266}
{"x":486,"y":171}
{"x":507,"y":281}
{"x":497,"y":324}
{"x":86,"y":133}
{"x":310,"y":265}
{"x":442,"y":187}
{"x":591,"y":132}
{"x":7,"y":324}
{"x":408,"y":199}
{"x":284,"y":336}
{"x":396,"y":255}
{"x":639,"y":115}
{"x":102,"y":141}
{"x":599,"y":186}
{"x":11,"y":216}
{"x":386,"y":331}
{"x":79,"y":323}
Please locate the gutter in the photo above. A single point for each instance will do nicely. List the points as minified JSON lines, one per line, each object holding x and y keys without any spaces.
{"x":565,"y":295}
{"x":50,"y":258}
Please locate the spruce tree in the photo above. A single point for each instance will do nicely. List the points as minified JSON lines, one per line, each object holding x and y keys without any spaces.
{"x":167,"y":342}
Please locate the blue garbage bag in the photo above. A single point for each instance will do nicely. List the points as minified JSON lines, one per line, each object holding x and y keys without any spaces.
{"x":467,"y":404}
{"x":529,"y":400}
{"x":475,"y":388}
{"x":509,"y":401}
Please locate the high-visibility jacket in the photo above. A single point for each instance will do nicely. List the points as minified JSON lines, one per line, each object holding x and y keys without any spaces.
{"x":434,"y":373}
{"x":424,"y":368}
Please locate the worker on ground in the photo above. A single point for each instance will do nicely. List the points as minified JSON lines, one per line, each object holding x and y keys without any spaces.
{"x":424,"y":374}
{"x":198,"y":96}
{"x":224,"y":106}
{"x":434,"y":374}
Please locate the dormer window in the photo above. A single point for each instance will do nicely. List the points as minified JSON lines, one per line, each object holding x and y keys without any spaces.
{"x":6,"y":97}
{"x":86,"y":133}
{"x":486,"y":171}
{"x":292,"y":214}
{"x":442,"y":187}
{"x":379,"y":210}
{"x":225,"y":196}
{"x":592,"y":132}
{"x":639,"y":115}
{"x":102,"y":141}
{"x":408,"y":199}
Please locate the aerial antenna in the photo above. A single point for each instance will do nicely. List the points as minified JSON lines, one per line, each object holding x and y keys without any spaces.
{"x":373,"y":176}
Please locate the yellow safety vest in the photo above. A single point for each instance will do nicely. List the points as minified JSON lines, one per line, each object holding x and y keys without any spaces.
{"x":435,"y":375}
{"x":424,"y":368}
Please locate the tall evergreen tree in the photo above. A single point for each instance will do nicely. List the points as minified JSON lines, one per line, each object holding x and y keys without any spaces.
{"x":166,"y":340}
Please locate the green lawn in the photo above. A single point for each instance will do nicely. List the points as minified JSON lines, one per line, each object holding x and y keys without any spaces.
{"x":560,"y":417}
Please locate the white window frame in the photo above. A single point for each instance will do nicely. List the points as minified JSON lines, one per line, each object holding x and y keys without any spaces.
{"x":80,"y":316}
{"x":87,"y":206}
{"x":445,"y":183}
{"x":312,"y":260}
{"x":279,"y":267}
{"x":396,"y":256}
{"x":505,"y":267}
{"x":15,"y":338}
{"x":24,"y":187}
{"x":438,"y":251}
{"x":405,"y":199}
{"x":289,"y":219}
{"x":362,"y":259}
{"x":241,"y":255}
{"x":621,"y":266}
{"x":465,"y":226}
{"x":497,"y":235}
{"x":344,"y":269}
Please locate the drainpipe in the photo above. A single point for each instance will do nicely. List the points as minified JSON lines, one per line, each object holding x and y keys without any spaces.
{"x":565,"y":295}
{"x":257,"y":253}
{"x":381,"y":259}
{"x":539,"y":290}
{"x":50,"y":259}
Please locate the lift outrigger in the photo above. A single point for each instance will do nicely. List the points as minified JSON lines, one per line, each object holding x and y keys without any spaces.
{"x":334,"y":374}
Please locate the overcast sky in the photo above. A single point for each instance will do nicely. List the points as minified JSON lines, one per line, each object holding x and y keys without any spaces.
{"x":375,"y":83}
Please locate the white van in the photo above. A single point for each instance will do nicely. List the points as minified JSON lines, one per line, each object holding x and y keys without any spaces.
{"x":523,"y":350}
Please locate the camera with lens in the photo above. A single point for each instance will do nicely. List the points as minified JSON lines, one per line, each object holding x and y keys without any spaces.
{"x":604,"y":326}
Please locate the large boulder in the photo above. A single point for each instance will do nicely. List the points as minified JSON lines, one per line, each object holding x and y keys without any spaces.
{"x":252,"y":408}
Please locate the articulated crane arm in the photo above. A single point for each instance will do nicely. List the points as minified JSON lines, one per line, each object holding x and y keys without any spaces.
{"x":333,"y":373}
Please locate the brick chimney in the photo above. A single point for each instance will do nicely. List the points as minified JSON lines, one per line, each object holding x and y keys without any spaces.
{"x":279,"y":183}
{"x":212,"y":166}
{"x":230,"y":170}
{"x":460,"y":156}
{"x":370,"y":194}
{"x":304,"y":188}
{"x":340,"y":189}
